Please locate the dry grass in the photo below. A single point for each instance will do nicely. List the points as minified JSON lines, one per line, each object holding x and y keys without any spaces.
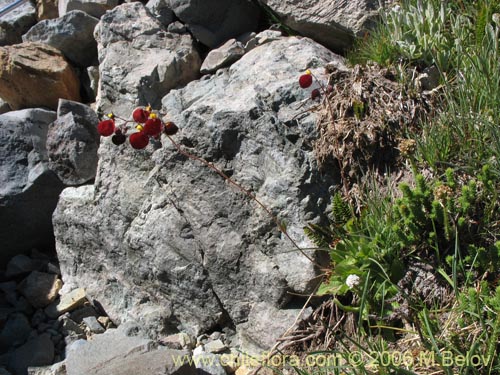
{"x":370,"y":111}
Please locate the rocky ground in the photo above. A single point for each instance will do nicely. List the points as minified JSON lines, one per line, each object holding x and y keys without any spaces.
{"x":150,"y":241}
{"x":38,"y":324}
{"x":48,"y":329}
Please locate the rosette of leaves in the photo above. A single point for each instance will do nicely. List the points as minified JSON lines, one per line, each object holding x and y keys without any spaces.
{"x":361,"y":246}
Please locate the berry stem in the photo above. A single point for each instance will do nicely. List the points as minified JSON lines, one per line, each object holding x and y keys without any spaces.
{"x":280,"y":226}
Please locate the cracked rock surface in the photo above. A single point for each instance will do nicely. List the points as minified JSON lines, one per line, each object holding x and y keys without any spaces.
{"x":163,"y":239}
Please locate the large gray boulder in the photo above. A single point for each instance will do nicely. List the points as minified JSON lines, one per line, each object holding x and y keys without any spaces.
{"x":28,"y":188}
{"x":72,"y":34}
{"x":213,"y":22}
{"x":165,"y":240}
{"x":332,"y":23}
{"x":156,"y":61}
{"x":15,"y":23}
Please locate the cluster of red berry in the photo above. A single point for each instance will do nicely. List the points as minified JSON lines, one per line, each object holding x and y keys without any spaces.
{"x":147,"y":124}
{"x":306,"y":80}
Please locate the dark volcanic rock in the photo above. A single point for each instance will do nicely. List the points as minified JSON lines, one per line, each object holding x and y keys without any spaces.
{"x":213,"y":22}
{"x":29,"y":190}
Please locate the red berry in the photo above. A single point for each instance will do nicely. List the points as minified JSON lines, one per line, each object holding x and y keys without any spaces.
{"x":152,"y":126}
{"x":106,"y":127}
{"x":140,"y":115}
{"x":315,"y":94}
{"x":170,"y":128}
{"x":138,"y":140}
{"x":119,"y":138}
{"x":305,"y":80}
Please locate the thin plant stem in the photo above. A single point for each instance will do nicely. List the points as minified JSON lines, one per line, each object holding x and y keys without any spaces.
{"x":280,"y":226}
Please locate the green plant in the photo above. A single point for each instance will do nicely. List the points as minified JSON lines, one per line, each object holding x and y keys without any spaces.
{"x":484,"y":12}
{"x":467,"y":133}
{"x":376,"y":46}
{"x":416,"y":31}
{"x":365,"y":264}
{"x":428,"y":219}
{"x":450,"y":218}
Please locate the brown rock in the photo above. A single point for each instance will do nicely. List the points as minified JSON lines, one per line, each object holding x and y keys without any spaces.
{"x":105,"y":321}
{"x":46,"y":9}
{"x":36,"y":75}
{"x":68,"y":302}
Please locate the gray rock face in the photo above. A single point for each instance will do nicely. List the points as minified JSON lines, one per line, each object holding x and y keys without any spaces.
{"x":72,"y":34}
{"x":119,"y":353}
{"x":167,"y":241}
{"x":208,"y":363}
{"x":330,"y":22}
{"x":223,"y":56}
{"x":28,"y":189}
{"x":156,"y":60}
{"x":265,"y":325}
{"x":72,"y":143}
{"x":15,"y":23}
{"x":95,"y":8}
{"x":213,"y":22}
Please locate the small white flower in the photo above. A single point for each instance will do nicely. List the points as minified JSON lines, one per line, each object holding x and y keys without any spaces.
{"x":396,"y":8}
{"x":352,"y":281}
